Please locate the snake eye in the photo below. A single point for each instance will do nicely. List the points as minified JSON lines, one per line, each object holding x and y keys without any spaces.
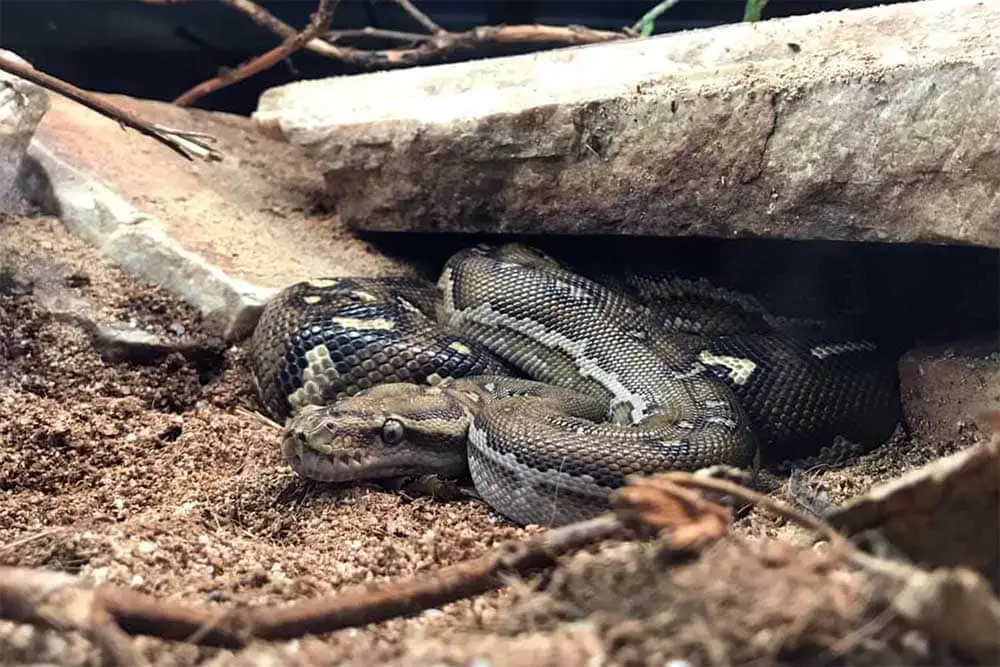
{"x":392,"y":431}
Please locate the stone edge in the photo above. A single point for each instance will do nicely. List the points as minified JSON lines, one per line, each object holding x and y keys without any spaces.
{"x":139,"y":243}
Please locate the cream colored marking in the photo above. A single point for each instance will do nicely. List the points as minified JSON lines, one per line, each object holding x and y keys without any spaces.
{"x":446,"y":283}
{"x":409,"y":306}
{"x":461,"y":348}
{"x":740,"y":369}
{"x":359,"y":323}
{"x":576,"y":350}
{"x":312,"y":299}
{"x":318,"y":373}
{"x":321,"y":282}
{"x":824,"y":351}
{"x":434,"y":378}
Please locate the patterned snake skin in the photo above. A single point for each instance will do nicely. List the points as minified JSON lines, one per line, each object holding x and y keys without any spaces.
{"x":550,"y":387}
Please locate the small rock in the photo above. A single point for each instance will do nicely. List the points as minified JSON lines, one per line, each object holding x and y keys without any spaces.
{"x":171,"y":433}
{"x":124,"y":342}
{"x":22,"y":106}
{"x":76,"y":279}
{"x":146,"y":547}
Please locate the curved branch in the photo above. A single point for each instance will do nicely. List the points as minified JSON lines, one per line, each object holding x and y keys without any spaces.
{"x":319,"y":23}
{"x":443,"y":44}
{"x":186,"y":145}
{"x":60,"y":601}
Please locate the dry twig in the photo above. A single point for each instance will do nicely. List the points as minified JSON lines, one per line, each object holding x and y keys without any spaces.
{"x":103,"y":613}
{"x":410,"y":37}
{"x":185,"y":144}
{"x":421,"y":18}
{"x":438,"y":43}
{"x":319,"y":23}
{"x":56,"y":600}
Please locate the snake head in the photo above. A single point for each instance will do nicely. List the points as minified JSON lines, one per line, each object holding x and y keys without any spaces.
{"x":390,"y":430}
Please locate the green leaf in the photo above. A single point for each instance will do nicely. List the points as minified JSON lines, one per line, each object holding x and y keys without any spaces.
{"x":753,"y":10}
{"x":645,"y":25}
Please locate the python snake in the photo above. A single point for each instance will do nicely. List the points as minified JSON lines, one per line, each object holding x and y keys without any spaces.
{"x":550,"y":387}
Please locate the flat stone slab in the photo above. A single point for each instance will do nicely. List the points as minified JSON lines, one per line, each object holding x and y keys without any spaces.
{"x":222,"y":235}
{"x":876,"y":124}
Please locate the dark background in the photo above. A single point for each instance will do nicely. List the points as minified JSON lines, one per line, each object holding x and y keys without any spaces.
{"x":159,"y":51}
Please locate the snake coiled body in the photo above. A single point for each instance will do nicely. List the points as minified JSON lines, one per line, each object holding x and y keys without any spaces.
{"x":627,"y":375}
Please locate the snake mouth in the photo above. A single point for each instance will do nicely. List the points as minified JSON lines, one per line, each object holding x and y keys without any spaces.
{"x":335,"y":467}
{"x":353,"y":466}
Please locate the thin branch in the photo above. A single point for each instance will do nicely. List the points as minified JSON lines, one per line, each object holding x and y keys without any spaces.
{"x":261,"y":17}
{"x":432,"y":47}
{"x":447,"y":585}
{"x":56,"y":600}
{"x":378,"y":33}
{"x":10,"y":546}
{"x":269,"y":21}
{"x":475,"y":39}
{"x":319,"y":23}
{"x":183,"y":145}
{"x":661,"y":502}
{"x":421,"y":18}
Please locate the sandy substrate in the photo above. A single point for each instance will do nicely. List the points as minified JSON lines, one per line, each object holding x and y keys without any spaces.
{"x":157,"y":477}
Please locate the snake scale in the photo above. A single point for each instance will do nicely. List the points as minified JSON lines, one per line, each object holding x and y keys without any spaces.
{"x":549,"y":387}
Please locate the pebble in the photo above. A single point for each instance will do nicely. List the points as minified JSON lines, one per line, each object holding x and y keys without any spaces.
{"x":146,"y":547}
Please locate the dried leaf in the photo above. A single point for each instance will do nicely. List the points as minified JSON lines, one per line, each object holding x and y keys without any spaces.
{"x":688,"y":519}
{"x":946,"y":513}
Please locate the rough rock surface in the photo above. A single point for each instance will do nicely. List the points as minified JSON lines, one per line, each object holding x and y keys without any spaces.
{"x":22,"y":105}
{"x":876,"y":124}
{"x":217,"y":234}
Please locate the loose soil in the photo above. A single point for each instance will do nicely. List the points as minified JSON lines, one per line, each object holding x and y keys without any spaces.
{"x":158,"y":477}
